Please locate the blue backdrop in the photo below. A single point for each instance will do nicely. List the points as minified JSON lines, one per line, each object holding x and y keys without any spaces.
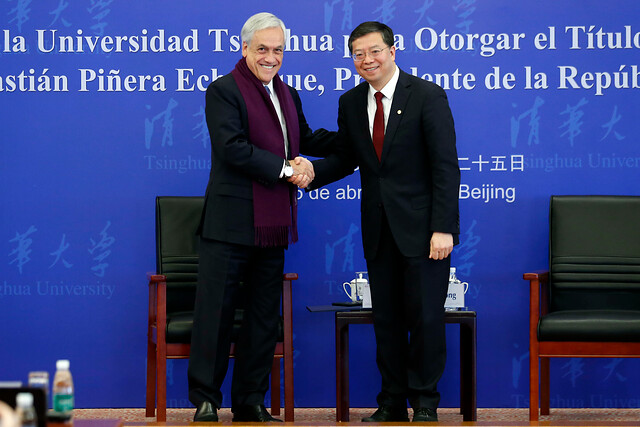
{"x":103,"y":109}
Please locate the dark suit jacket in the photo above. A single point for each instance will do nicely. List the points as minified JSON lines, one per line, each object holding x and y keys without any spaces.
{"x":236,"y":162}
{"x":417,"y":180}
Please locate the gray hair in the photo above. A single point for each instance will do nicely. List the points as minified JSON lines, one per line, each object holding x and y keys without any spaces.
{"x":257,"y":22}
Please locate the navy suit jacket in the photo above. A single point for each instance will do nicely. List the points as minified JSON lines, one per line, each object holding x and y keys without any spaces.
{"x":417,"y":180}
{"x":236,"y":162}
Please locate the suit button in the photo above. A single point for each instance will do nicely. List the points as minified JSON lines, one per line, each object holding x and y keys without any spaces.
{"x":379,"y":205}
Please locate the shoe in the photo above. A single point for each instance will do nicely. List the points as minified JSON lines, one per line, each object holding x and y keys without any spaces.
{"x":421,"y":415}
{"x":252,"y":413}
{"x":206,"y":412}
{"x":387,"y":414}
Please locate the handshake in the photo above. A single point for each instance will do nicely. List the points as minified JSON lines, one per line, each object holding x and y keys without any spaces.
{"x":303,"y":172}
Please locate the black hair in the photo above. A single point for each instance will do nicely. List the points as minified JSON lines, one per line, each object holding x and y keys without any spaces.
{"x":371,"y":27}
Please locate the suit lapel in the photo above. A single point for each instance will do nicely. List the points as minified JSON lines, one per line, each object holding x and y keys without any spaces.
{"x":363,"y":119}
{"x":400,"y":98}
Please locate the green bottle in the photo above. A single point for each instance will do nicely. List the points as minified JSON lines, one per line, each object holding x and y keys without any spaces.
{"x":62,"y":387}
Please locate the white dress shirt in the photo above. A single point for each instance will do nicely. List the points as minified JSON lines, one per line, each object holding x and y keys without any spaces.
{"x":283,"y":123}
{"x":388,"y":90}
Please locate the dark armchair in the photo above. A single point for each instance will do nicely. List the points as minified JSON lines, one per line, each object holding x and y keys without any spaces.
{"x":171,"y":301}
{"x":588,"y":303}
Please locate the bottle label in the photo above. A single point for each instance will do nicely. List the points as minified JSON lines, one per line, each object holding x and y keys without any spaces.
{"x":63,"y":402}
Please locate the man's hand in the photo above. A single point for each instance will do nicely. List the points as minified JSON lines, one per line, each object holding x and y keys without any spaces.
{"x":303,"y":172}
{"x":441,"y":245}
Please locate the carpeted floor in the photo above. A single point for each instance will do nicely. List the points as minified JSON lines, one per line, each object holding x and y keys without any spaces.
{"x":447,"y":416}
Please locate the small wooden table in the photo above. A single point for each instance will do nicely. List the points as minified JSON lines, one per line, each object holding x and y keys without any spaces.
{"x":345,"y":316}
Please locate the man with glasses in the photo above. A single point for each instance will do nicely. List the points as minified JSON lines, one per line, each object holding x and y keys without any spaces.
{"x":399,"y":130}
{"x":256,"y":126}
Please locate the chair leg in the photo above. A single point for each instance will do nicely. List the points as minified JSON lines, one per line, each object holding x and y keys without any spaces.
{"x":161,"y":366}
{"x":534,"y":383}
{"x":151,"y":380}
{"x":288,"y":385}
{"x":287,"y":350}
{"x":544,"y":386}
{"x":275,"y":387}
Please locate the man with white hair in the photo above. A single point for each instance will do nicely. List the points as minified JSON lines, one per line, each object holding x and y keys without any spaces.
{"x":256,"y":126}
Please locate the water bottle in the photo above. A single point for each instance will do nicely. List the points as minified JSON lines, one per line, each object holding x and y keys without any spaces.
{"x":62,"y":387}
{"x":25,"y":410}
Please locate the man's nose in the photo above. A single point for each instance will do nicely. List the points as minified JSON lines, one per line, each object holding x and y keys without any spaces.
{"x":271,"y":56}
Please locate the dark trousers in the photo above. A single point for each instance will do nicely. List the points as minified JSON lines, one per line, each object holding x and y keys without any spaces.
{"x":408,"y":295}
{"x":222,"y":267}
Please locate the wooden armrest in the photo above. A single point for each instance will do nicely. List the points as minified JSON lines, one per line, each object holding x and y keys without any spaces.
{"x":538,"y":297}
{"x":290,"y":276}
{"x":156,"y":278}
{"x":541,"y":275}
{"x":287,"y":308}
{"x":157,"y":299}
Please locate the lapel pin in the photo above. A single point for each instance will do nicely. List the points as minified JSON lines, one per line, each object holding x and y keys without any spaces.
{"x":399,"y":111}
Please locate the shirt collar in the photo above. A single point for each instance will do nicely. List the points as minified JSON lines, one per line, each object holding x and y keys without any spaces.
{"x":389,"y":89}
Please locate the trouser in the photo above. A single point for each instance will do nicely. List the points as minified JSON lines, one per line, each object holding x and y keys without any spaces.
{"x":222,"y":267}
{"x":408,"y":295}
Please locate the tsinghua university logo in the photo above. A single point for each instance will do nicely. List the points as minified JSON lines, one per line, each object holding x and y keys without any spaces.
{"x":164,"y":150}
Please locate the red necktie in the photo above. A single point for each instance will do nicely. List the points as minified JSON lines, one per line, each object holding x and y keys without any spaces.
{"x":378,"y":125}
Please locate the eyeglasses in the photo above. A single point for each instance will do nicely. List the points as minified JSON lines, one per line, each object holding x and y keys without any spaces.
{"x":373,"y":53}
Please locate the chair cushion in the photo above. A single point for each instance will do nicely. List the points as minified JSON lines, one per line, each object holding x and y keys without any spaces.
{"x":590,"y":325}
{"x":179,"y":327}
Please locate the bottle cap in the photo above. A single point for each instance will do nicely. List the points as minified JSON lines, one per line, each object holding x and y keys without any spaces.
{"x":62,"y":364}
{"x":24,"y":399}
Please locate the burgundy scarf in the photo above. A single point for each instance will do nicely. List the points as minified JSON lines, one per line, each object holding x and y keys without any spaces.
{"x":275,"y":213}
